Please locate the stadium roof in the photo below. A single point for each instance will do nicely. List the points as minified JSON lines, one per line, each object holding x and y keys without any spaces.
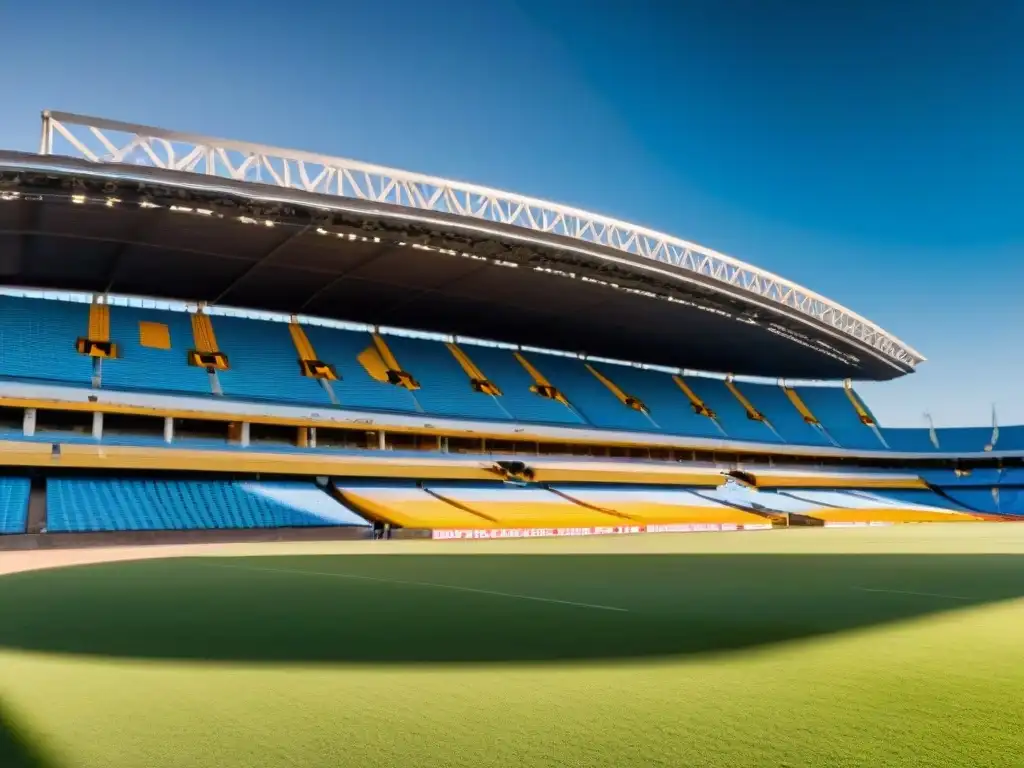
{"x":109,"y":206}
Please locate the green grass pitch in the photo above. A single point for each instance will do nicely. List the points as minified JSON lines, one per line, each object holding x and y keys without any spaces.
{"x":899,"y":646}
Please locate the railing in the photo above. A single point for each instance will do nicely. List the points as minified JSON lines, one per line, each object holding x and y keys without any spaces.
{"x":101,"y":140}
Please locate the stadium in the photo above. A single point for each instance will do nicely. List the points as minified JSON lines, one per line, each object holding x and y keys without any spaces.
{"x":403,"y":440}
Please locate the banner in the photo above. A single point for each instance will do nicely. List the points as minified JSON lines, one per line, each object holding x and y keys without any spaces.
{"x":525,"y":533}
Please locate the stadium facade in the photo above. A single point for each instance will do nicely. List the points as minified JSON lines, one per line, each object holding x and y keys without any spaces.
{"x":183,"y":304}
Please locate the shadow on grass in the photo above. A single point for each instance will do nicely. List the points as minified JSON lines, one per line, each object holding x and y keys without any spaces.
{"x":483,"y":608}
{"x":16,"y":751}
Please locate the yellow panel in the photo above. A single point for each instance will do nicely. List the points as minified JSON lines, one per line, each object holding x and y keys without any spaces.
{"x":626,"y":399}
{"x":202,"y":332}
{"x":476,"y":376}
{"x":666,"y":513}
{"x":518,"y":514}
{"x":768,"y":480}
{"x":831,"y":515}
{"x":99,"y":322}
{"x":422,"y":511}
{"x":748,"y":406}
{"x":15,"y":453}
{"x":800,"y":405}
{"x":371,"y":360}
{"x":154,"y":335}
{"x":858,"y":406}
{"x":698,"y":404}
{"x":302,"y":343}
{"x":626,"y":474}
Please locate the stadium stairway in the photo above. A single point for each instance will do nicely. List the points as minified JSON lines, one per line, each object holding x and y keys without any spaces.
{"x":76,"y":505}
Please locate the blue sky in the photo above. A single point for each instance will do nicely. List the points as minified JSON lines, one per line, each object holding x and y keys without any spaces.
{"x":870,"y":150}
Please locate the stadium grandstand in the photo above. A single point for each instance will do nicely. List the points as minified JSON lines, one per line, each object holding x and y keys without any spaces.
{"x":200,"y":335}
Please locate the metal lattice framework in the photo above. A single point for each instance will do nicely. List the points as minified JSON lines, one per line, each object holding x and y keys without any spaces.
{"x":101,"y":140}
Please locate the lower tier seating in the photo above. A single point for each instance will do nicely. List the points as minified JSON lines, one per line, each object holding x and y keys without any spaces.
{"x":1001,"y":501}
{"x":654,"y":506}
{"x":94,"y":504}
{"x":14,"y":492}
{"x":864,"y":507}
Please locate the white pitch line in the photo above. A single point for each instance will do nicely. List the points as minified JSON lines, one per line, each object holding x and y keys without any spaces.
{"x":424,"y":584}
{"x":916,"y":594}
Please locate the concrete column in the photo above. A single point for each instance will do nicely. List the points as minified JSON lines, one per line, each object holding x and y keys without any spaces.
{"x":169,"y":429}
{"x":382,"y":440}
{"x":312,"y":437}
{"x":97,"y":425}
{"x":28,"y":425}
{"x":244,"y":437}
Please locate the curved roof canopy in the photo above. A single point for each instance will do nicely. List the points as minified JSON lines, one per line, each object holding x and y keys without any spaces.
{"x":148,"y":211}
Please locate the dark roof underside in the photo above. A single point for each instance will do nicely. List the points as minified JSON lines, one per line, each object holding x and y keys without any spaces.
{"x":290,"y":267}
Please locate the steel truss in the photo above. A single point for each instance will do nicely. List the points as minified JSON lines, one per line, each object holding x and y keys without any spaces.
{"x":111,"y":141}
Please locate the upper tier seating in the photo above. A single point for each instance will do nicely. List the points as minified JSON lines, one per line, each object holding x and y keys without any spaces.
{"x":670,"y":407}
{"x":37,"y":340}
{"x":95,"y":504}
{"x":264,"y":363}
{"x":14,"y":492}
{"x":38,"y":336}
{"x":775,"y":405}
{"x":729,"y":412}
{"x":911,"y":440}
{"x":445,"y":387}
{"x":355,"y":387}
{"x":147,"y":367}
{"x":501,"y":367}
{"x":588,"y":395}
{"x":836,"y":413}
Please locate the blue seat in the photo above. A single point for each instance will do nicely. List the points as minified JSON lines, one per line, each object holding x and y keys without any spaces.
{"x":139,"y":367}
{"x":355,"y":387}
{"x":833,"y":409}
{"x":14,"y":493}
{"x":964,"y":439}
{"x":37,"y":340}
{"x":729,"y":411}
{"x":911,"y":440}
{"x":445,"y":388}
{"x":93,"y":504}
{"x":589,"y":396}
{"x":264,"y":363}
{"x":774,"y":404}
{"x":500,"y":366}
{"x":1006,"y":501}
{"x":669,"y":406}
